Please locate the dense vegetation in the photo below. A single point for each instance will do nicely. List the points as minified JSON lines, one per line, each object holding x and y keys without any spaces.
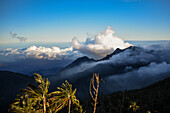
{"x":152,"y":99}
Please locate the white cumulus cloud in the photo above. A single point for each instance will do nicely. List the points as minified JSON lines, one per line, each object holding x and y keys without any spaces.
{"x":100,"y":45}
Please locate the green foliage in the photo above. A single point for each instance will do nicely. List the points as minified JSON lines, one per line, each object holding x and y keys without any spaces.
{"x":37,"y":99}
{"x":33,"y":96}
{"x":65,"y":96}
{"x":151,"y":99}
{"x":22,"y":104}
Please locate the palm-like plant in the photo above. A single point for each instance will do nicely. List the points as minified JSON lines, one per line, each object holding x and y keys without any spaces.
{"x":40,"y":93}
{"x":65,"y":96}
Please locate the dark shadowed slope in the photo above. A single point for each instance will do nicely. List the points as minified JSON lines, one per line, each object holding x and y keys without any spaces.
{"x":11,"y":84}
{"x":155,"y":98}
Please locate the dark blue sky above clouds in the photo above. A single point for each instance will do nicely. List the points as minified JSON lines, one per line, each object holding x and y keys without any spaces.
{"x":61,"y":20}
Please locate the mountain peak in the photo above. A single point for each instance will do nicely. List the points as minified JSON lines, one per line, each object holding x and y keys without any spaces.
{"x":117,"y":51}
{"x":78,"y":62}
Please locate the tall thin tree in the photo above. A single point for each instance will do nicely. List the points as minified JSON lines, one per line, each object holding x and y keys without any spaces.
{"x":66,"y":97}
{"x":40,"y":92}
{"x":94,"y":83}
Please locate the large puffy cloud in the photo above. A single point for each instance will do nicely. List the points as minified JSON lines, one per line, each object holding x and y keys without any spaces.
{"x":100,"y":45}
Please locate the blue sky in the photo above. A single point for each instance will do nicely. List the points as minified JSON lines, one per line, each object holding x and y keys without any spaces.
{"x":61,"y":20}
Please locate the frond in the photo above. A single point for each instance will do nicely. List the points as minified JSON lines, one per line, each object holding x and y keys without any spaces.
{"x":61,"y":104}
{"x":47,"y":85}
{"x":74,"y":92}
{"x":62,"y":89}
{"x":26,"y":91}
{"x":34,"y":88}
{"x":38,"y":78}
{"x":53,"y":93}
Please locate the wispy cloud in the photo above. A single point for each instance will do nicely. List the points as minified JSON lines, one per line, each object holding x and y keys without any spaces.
{"x":21,"y":39}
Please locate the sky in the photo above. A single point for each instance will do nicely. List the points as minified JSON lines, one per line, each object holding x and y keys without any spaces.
{"x":61,"y":20}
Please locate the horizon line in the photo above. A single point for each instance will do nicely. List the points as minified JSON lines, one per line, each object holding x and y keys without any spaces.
{"x":70,"y":41}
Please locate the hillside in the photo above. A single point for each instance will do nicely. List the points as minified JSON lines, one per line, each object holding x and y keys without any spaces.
{"x":11,"y":84}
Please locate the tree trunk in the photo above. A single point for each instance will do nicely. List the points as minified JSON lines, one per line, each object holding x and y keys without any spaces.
{"x":94,"y":106}
{"x":44,"y":103}
{"x":95,"y":102}
{"x":69,"y":105}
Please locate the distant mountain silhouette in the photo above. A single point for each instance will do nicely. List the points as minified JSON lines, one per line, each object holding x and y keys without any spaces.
{"x":103,"y":69}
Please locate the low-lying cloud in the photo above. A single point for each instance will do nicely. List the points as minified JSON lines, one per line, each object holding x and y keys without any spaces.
{"x":43,"y":60}
{"x":139,"y":78}
{"x":132,"y":59}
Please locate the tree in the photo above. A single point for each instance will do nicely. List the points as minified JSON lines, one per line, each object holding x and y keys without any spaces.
{"x":65,"y":96}
{"x":39,"y":93}
{"x":33,"y":97}
{"x":94,"y":79}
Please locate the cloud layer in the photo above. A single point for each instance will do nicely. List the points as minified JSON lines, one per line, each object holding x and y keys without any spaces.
{"x":50,"y":53}
{"x":43,"y":60}
{"x":139,"y":78}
